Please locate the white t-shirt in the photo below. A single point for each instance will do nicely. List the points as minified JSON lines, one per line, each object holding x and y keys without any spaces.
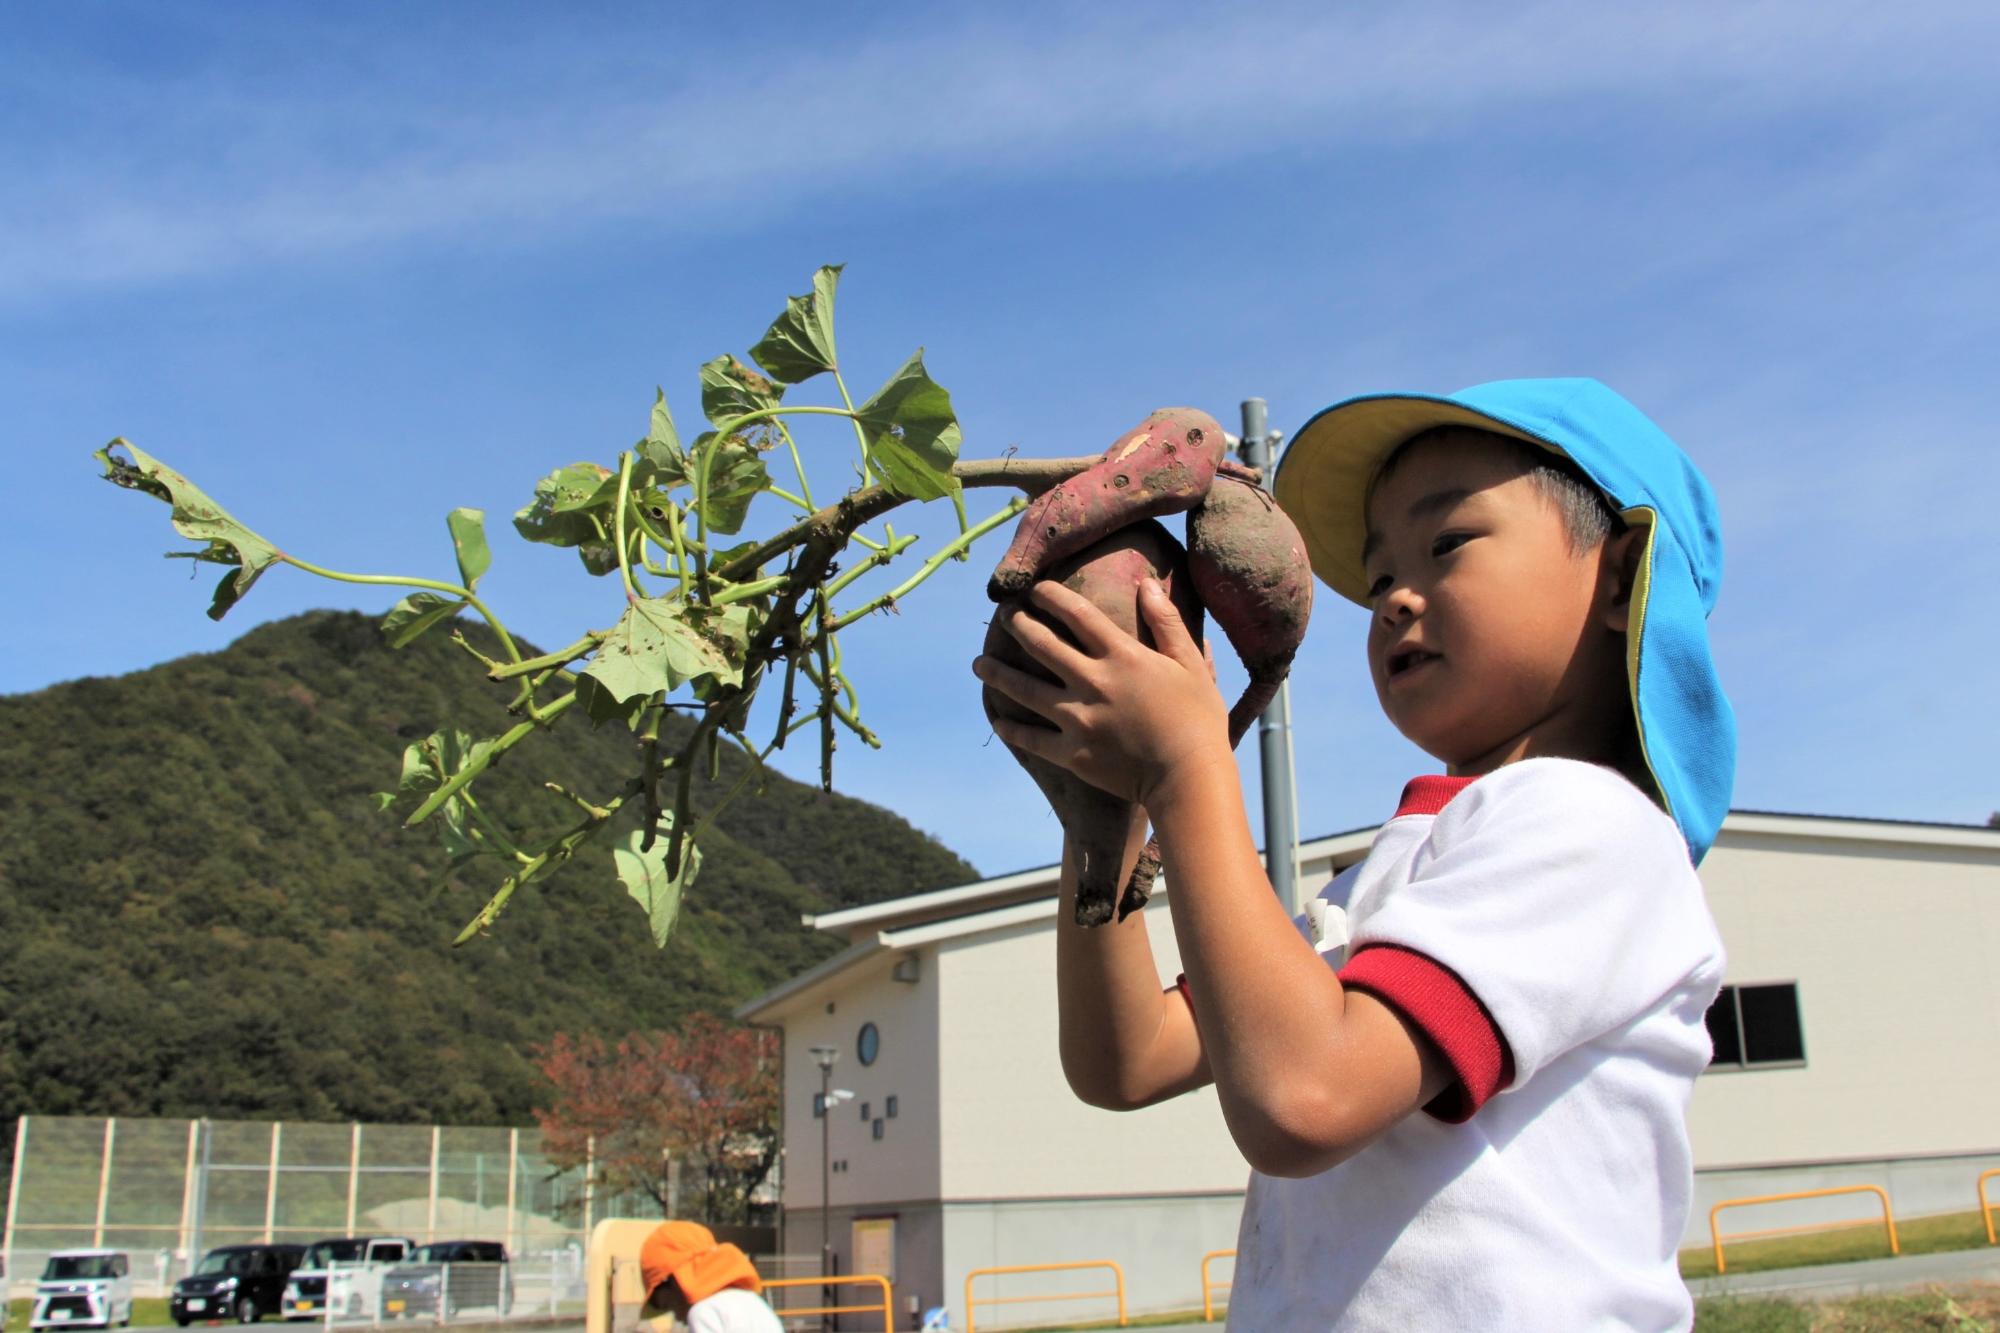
{"x":1544,"y":927}
{"x":733,"y":1310}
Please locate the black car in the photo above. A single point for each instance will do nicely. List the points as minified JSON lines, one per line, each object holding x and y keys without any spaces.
{"x":240,"y":1282}
{"x":447,"y":1276}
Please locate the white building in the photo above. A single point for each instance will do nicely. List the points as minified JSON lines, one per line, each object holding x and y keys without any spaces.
{"x":1856,"y":1045}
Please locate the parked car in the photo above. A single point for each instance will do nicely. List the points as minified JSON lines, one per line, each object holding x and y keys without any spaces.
{"x":343,"y":1274}
{"x":240,"y":1282}
{"x":447,"y":1276}
{"x":81,"y":1288}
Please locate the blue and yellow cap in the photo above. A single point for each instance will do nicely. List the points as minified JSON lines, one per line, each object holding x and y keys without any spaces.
{"x":1686,"y":727}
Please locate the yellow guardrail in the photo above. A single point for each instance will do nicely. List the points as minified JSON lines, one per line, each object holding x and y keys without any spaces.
{"x":1117,"y":1273}
{"x":1985,"y":1208}
{"x":1208,"y":1288}
{"x":885,"y":1308}
{"x":1888,"y":1219}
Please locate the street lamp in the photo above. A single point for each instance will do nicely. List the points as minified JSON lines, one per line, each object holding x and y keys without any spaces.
{"x":825,"y":1056}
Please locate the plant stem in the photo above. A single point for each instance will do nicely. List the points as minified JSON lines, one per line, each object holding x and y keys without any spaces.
{"x":555,"y":854}
{"x":875,"y":561}
{"x":960,"y":543}
{"x":805,"y":486}
{"x":860,"y":434}
{"x":507,"y":741}
{"x":528,"y":666}
{"x":826,"y":703}
{"x":745,"y":590}
{"x":400,"y":581}
{"x":632,"y":590}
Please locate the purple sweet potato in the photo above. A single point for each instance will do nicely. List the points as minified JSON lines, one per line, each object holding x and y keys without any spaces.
{"x":1108,"y":574}
{"x":1250,"y":570}
{"x":1163,"y":465}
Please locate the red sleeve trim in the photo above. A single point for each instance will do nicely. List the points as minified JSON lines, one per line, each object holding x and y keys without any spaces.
{"x":1433,"y":997}
{"x":1187,"y":995}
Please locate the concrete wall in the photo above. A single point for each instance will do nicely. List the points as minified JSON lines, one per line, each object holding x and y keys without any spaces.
{"x":1158,"y":1240}
{"x":1014,"y":1128}
{"x":1893,"y":949}
{"x":903,"y":1164}
{"x":1917,"y":1186}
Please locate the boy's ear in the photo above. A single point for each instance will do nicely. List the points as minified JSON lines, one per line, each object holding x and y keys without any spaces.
{"x":1619,"y":575}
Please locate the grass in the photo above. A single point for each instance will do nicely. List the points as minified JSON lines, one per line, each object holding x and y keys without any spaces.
{"x":147,"y":1312}
{"x":1953,"y":1310}
{"x":1863,"y":1240}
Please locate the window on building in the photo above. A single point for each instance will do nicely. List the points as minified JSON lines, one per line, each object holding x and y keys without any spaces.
{"x":1753,"y":1026}
{"x":889,"y":1109}
{"x":878,"y":1129}
{"x":865,"y":1117}
{"x":819,"y":1105}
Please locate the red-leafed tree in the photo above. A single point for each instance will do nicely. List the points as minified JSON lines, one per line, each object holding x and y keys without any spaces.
{"x":689,"y":1117}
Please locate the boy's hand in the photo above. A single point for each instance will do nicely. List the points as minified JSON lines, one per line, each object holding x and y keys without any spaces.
{"x":1121,"y":716}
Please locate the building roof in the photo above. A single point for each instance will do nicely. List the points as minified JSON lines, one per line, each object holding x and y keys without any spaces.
{"x":902,"y":924}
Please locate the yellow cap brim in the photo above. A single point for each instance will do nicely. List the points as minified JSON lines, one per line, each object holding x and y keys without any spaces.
{"x":1329,"y":465}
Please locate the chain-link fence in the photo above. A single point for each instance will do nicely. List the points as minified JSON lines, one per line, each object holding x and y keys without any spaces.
{"x":167,"y":1191}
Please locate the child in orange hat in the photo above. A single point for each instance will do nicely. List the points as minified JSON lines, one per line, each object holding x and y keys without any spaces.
{"x":710,"y":1286}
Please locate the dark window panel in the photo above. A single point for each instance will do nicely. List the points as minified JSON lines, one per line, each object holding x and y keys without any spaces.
{"x":1771,"y":1030}
{"x":1722,"y":1030}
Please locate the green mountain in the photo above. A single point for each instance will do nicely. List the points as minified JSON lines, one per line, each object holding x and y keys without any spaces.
{"x":203,"y":913}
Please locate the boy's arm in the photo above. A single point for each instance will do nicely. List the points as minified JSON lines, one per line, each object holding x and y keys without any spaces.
{"x":1308,"y":1072}
{"x":1124,"y":1042}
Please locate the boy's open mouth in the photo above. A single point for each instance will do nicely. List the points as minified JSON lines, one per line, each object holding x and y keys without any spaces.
{"x":1404,"y":659}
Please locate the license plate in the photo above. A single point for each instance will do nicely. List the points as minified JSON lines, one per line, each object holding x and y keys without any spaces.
{"x":58,"y":1315}
{"x":304,"y":1305}
{"x":197,"y":1304}
{"x":395,"y":1307}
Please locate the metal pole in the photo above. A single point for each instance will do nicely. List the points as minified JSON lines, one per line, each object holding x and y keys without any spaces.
{"x":271,"y":1186}
{"x":14,"y":1198}
{"x":1274,"y":729}
{"x":353,"y":1172}
{"x":188,"y":1187}
{"x":431,"y":1217}
{"x":104,"y":1178}
{"x":201,"y":1189}
{"x":826,"y":1170}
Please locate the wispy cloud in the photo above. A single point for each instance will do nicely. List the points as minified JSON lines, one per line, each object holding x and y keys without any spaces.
{"x":222,"y":167}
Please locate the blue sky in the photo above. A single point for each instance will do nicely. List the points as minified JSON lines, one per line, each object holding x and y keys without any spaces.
{"x":350,"y":266}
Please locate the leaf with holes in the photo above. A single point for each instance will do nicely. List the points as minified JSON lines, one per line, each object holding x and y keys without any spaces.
{"x":913,"y":435}
{"x":198,"y":518}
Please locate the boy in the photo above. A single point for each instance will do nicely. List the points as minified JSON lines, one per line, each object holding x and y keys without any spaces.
{"x":1477,"y":1120}
{"x":709,"y":1287}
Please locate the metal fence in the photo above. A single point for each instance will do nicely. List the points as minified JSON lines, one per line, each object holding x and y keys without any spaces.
{"x":167,"y":1191}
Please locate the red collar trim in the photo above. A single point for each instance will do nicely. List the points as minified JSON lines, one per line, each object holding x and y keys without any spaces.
{"x":1429,"y":794}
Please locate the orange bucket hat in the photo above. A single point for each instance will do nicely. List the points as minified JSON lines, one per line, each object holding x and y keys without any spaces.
{"x":688,"y":1253}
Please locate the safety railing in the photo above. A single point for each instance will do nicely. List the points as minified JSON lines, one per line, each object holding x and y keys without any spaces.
{"x":1118,"y":1290}
{"x":884,"y":1307}
{"x":1208,"y":1287}
{"x":1985,"y":1208}
{"x":1715,"y":1232}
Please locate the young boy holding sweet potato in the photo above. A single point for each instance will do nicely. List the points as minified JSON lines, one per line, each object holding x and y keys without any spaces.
{"x":1475,"y":1119}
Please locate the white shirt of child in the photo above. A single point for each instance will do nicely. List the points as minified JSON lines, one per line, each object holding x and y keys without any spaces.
{"x":733,"y":1310}
{"x":1544,"y":927}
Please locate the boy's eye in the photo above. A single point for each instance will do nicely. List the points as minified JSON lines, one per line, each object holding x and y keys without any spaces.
{"x":1447,"y":542}
{"x":1378,"y":586}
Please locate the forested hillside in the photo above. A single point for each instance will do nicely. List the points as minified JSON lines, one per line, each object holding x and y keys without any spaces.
{"x":202,"y":912}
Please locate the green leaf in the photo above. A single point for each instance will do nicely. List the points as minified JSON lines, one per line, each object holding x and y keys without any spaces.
{"x":198,"y":518}
{"x":468,"y":540}
{"x":799,"y":343}
{"x":735,"y":478}
{"x":644,"y":875}
{"x":662,"y":445}
{"x":661,"y":643}
{"x":572,"y":507}
{"x":427,"y":765}
{"x":415,"y":614}
{"x":913,"y":435}
{"x":729,"y":389}
{"x":600,"y":706}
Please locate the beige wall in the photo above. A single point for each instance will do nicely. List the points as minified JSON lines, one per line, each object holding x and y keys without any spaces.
{"x":904,"y":1163}
{"x":1894,"y":949}
{"x":1015,"y":1129}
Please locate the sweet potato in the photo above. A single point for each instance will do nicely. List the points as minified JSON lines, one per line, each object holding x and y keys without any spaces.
{"x":1108,"y":574}
{"x":1162,"y":466}
{"x":1250,"y":571}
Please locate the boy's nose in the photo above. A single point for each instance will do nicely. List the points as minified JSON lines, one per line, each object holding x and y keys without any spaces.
{"x":1399,"y":604}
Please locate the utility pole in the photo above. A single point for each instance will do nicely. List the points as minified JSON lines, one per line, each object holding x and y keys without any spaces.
{"x":1274,"y":730}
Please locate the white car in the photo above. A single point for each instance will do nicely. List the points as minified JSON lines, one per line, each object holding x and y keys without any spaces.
{"x":83,"y":1288}
{"x":342,"y":1278}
